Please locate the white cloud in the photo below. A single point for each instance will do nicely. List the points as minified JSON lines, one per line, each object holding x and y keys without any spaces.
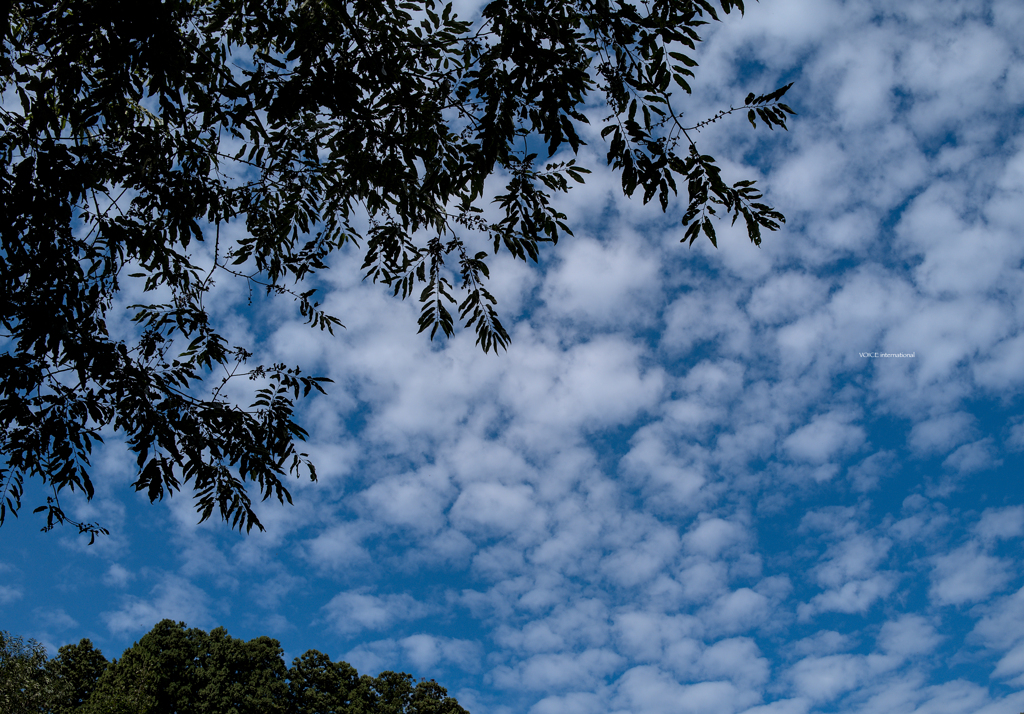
{"x":1000,"y":523}
{"x":414,"y":500}
{"x":1003,"y":622}
{"x":909,"y":635}
{"x":492,"y":507}
{"x":959,"y":696}
{"x":953,"y":73}
{"x":855,"y":556}
{"x":665,"y":477}
{"x":640,"y":561}
{"x":738,"y":659}
{"x":274,"y":589}
{"x":424,"y":654}
{"x":9,"y":594}
{"x":864,"y":95}
{"x":546,"y":672}
{"x":644,"y":635}
{"x":785,"y":297}
{"x":713,"y":535}
{"x":427,"y":652}
{"x":649,"y":689}
{"x":806,"y":182}
{"x":702,"y":579}
{"x":867,"y":475}
{"x":338,"y":546}
{"x":582,"y":623}
{"x":1015,"y":441}
{"x":1002,"y":370}
{"x":737,"y":611}
{"x":851,"y":568}
{"x":572,"y":703}
{"x":599,"y":383}
{"x":799,"y":705}
{"x":969,"y":458}
{"x":1011,"y":664}
{"x":705,"y":315}
{"x":855,"y":596}
{"x":967,"y":575}
{"x":920,"y":525}
{"x":603,"y":283}
{"x":57,"y":619}
{"x":825,"y":678}
{"x":374,"y":657}
{"x":172,"y":598}
{"x":117,"y":575}
{"x":823,"y":642}
{"x":826,"y":437}
{"x":941,"y":434}
{"x":349,"y":613}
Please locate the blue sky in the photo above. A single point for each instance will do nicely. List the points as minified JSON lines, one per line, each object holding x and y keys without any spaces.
{"x":683,"y":488}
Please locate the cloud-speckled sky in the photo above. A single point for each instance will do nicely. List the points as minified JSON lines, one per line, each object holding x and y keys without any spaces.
{"x":684,"y":488}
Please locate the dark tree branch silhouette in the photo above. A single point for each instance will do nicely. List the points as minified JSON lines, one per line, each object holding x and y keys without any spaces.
{"x":133,"y":131}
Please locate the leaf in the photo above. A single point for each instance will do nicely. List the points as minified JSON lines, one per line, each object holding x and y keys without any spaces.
{"x":709,"y":231}
{"x":276,"y":140}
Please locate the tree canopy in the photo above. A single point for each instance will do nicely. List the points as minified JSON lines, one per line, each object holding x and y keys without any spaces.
{"x":172,"y":144}
{"x":174,"y":668}
{"x":25,"y":684}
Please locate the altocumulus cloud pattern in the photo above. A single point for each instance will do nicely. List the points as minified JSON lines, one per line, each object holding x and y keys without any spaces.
{"x":780,"y":480}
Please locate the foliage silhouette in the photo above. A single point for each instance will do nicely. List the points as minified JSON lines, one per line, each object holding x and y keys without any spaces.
{"x":27,"y":684}
{"x":174,"y":668}
{"x":154,"y":148}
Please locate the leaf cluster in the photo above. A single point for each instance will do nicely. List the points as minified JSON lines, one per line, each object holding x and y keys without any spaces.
{"x":178,"y":143}
{"x":26,"y":685}
{"x":174,"y":668}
